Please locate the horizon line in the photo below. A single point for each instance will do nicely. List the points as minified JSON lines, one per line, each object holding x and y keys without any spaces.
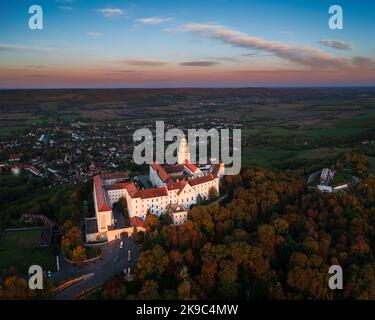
{"x":198,"y":87}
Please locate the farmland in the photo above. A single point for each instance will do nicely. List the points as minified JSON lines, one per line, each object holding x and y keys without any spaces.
{"x":278,"y":125}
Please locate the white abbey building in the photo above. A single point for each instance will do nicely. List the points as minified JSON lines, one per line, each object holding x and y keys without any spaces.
{"x":175,"y":188}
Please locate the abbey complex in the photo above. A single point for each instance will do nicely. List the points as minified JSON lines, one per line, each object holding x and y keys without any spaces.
{"x":170,"y":188}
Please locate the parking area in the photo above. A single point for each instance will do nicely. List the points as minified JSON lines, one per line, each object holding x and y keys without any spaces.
{"x":118,"y":255}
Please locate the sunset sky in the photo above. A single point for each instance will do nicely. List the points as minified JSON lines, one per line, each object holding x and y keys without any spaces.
{"x":222,"y":43}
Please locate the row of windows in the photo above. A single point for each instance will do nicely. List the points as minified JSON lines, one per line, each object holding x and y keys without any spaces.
{"x":179,"y":216}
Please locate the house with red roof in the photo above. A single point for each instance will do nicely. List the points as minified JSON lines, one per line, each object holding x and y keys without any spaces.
{"x":14,"y":157}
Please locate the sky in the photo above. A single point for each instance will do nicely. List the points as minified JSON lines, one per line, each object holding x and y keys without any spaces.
{"x":205,"y":43}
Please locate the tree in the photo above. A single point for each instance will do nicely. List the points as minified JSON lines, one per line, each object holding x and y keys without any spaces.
{"x":213,"y":194}
{"x":266,"y":236}
{"x":122,"y":207}
{"x":149,"y":291}
{"x":361,"y":283}
{"x":46,"y":293}
{"x":152,"y":221}
{"x":152,"y":262}
{"x":166,"y":218}
{"x":115,"y":288}
{"x":184,"y":291}
{"x":137,"y":236}
{"x":228,"y":283}
{"x":72,"y":239}
{"x":203,"y":216}
{"x":79,"y":254}
{"x":14,"y":288}
{"x":275,"y":239}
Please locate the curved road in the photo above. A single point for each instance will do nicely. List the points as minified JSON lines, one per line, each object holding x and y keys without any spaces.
{"x":101,"y":269}
{"x":355,"y":181}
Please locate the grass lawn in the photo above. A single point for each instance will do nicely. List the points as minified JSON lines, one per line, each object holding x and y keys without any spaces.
{"x":68,"y":117}
{"x":92,"y":252}
{"x":264,"y":157}
{"x":9,"y":131}
{"x":318,"y":153}
{"x":36,"y":122}
{"x":331,"y":132}
{"x":361,"y":121}
{"x":19,"y":249}
{"x":22,"y":239}
{"x":23,"y":259}
{"x":334,"y":107}
{"x":341,"y":177}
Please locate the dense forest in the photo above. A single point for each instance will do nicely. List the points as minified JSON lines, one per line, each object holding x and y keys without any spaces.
{"x":275,"y":239}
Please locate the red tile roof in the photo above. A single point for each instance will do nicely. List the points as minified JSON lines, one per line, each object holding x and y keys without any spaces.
{"x":190,"y":166}
{"x":116,"y":186}
{"x":174,"y":168}
{"x":215,"y":169}
{"x":153,"y":192}
{"x":132,"y":190}
{"x":137,"y":222}
{"x":101,"y":201}
{"x":163,"y":175}
{"x":180,"y":185}
{"x":145,"y":193}
{"x":199,"y":180}
{"x":15,"y":156}
{"x":33,"y":170}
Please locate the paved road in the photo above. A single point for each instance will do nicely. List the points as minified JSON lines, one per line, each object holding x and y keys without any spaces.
{"x":313,"y":176}
{"x":355,"y":181}
{"x":102,"y":268}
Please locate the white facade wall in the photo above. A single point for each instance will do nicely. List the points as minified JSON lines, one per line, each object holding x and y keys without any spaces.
{"x":179,"y":217}
{"x":156,"y":205}
{"x":203,"y":188}
{"x":104,"y":218}
{"x":134,"y":208}
{"x":155,"y":179}
{"x":221,"y":172}
{"x":138,"y":207}
{"x":115,"y":195}
{"x":187,"y":197}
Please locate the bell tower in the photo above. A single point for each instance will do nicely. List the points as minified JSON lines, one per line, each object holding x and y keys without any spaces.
{"x":183,"y":154}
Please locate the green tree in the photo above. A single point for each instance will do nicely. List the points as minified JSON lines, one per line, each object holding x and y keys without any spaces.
{"x":213,"y":194}
{"x":149,"y":291}
{"x":79,"y":254}
{"x":151,"y":262}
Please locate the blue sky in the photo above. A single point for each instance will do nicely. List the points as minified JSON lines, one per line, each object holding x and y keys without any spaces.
{"x":91,"y":43}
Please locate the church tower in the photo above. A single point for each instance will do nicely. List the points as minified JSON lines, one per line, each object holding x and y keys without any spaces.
{"x":183,"y":151}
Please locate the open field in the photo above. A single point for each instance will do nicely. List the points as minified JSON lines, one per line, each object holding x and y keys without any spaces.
{"x":341,"y":177}
{"x":21,"y":239}
{"x":23,"y":259}
{"x":19,"y":249}
{"x":264,"y":157}
{"x":299,"y":107}
{"x":278,"y":125}
{"x":326,"y":132}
